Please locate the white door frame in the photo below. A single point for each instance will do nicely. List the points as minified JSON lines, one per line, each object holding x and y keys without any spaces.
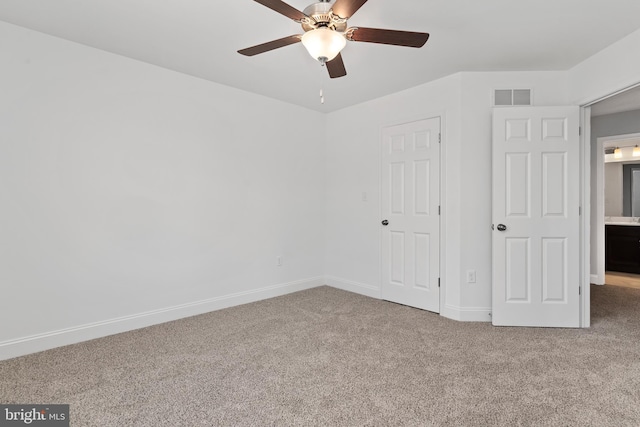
{"x":598,"y":278}
{"x":585,"y":217}
{"x":585,"y":144}
{"x":443,"y":217}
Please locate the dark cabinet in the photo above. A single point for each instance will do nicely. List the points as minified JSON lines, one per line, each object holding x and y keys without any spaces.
{"x":622,"y":245}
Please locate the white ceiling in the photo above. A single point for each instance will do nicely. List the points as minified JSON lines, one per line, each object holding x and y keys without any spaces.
{"x":201,"y":37}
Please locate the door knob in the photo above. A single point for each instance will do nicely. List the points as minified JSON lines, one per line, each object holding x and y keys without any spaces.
{"x":385,"y":222}
{"x":501,"y":227}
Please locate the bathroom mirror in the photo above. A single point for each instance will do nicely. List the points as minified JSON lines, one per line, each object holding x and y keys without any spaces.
{"x":622,"y":189}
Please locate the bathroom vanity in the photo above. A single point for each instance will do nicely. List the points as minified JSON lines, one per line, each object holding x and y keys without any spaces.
{"x":622,"y":243}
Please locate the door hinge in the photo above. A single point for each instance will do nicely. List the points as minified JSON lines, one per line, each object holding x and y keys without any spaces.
{"x":579,"y":210}
{"x":439,"y":138}
{"x":438,"y":282}
{"x":579,"y":290}
{"x":579,"y":130}
{"x":438,"y":210}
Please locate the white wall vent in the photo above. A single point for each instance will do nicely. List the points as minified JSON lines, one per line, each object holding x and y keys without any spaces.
{"x":509,"y":97}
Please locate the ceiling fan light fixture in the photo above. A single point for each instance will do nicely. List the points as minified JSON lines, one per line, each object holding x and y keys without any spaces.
{"x":323,"y":44}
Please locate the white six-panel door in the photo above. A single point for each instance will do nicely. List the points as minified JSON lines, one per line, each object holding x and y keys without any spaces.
{"x":536,"y":196}
{"x":410,"y":199}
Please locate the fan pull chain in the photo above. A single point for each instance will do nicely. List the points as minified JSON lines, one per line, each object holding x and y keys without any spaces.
{"x":322,"y":83}
{"x":322,"y":78}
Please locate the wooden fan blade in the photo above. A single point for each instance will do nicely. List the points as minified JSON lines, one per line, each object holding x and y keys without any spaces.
{"x":394,"y":37}
{"x":266,"y":47}
{"x":346,"y":8}
{"x":336,"y":67}
{"x":283,"y":8}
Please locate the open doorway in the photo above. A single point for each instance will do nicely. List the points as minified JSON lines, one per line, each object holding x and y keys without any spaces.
{"x":615,"y":225}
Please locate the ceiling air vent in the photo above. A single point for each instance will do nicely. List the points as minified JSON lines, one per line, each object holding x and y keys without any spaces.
{"x":509,"y":97}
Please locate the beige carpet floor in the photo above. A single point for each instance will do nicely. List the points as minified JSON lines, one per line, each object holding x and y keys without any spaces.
{"x":328,"y":357}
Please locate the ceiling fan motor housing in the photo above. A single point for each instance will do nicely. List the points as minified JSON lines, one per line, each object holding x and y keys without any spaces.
{"x":320,"y":15}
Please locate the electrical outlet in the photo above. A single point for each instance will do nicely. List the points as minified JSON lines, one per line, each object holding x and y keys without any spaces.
{"x":471,"y":276}
{"x":279,"y":261}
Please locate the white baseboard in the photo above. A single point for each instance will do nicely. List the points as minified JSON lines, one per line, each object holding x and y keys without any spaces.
{"x":462,"y":314}
{"x":467,"y":314}
{"x":49,"y":340}
{"x":351,"y":286}
{"x":593,"y":279}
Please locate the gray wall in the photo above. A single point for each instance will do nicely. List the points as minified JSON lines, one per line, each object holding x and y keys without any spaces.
{"x":613,"y":189}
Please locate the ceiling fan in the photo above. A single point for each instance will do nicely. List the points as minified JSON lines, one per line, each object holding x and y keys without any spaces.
{"x":326,"y":32}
